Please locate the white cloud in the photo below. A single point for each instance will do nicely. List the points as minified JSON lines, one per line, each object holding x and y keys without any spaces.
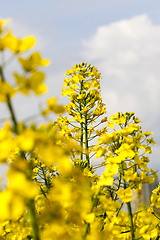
{"x":124,"y":40}
{"x":127,"y":53}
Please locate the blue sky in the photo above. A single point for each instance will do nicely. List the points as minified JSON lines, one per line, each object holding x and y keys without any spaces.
{"x":120,"y":37}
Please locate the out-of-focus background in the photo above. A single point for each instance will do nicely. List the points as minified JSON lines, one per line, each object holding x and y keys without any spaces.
{"x":120,"y":37}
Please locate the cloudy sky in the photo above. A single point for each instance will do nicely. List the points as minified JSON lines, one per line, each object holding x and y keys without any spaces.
{"x":120,"y":37}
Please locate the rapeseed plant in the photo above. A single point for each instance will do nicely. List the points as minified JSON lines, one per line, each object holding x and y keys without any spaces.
{"x":53,"y":192}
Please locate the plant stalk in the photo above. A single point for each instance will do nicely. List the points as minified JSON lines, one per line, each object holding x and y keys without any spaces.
{"x":86,"y":140}
{"x":31,"y":204}
{"x":128,"y":207}
{"x":9,"y":104}
{"x":81,"y":142}
{"x":35,"y":229}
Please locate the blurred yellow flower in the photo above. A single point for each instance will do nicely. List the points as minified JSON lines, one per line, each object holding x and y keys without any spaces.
{"x":34,"y":83}
{"x":33,"y":61}
{"x":17,"y":45}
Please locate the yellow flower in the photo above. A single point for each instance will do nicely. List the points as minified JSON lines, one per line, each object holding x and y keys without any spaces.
{"x":105,"y":181}
{"x":151,"y":141}
{"x":111,"y":125}
{"x":89,"y":218}
{"x":125,"y":151}
{"x":34,"y":83}
{"x":20,"y":185}
{"x":125,"y":195}
{"x":7,"y":143}
{"x":11,"y":205}
{"x":54,"y":107}
{"x":111,"y":170}
{"x":17,"y":45}
{"x":6,"y":90}
{"x":148,"y":150}
{"x":99,"y":153}
{"x":144,"y":178}
{"x":104,"y":120}
{"x":33,"y":61}
{"x":26,"y":140}
{"x":47,"y":175}
{"x":3,"y":22}
{"x":130,"y":176}
{"x":148,"y":133}
{"x":4,"y":41}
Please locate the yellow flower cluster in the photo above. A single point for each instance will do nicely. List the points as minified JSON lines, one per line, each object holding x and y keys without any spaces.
{"x":83,"y":89}
{"x":32,"y":80}
{"x":53,"y":192}
{"x":82,"y":86}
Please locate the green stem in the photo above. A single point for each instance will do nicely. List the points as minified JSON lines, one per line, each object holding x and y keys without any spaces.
{"x":81,"y":142}
{"x":118,"y":187}
{"x":95,"y":201}
{"x":128,"y":206}
{"x":158,"y":237}
{"x":13,"y":117}
{"x":119,"y":209}
{"x":35,"y":229}
{"x":86,"y":140}
{"x":131,"y":219}
{"x":12,"y":114}
{"x":87,"y":229}
{"x":31,"y":205}
{"x":45,"y":179}
{"x":155,"y":215}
